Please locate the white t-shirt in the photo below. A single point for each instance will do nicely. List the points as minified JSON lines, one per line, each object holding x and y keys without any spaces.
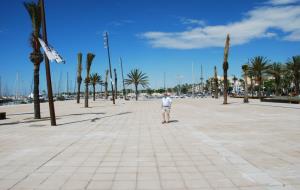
{"x":166,"y":102}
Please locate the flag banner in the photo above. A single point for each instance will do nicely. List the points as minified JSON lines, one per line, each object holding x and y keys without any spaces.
{"x":51,"y":52}
{"x":47,"y":50}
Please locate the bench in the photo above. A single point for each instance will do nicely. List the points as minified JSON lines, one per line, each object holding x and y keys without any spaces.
{"x":2,"y":115}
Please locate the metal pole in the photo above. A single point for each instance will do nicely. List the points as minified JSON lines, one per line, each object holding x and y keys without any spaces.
{"x":124,"y":90}
{"x":116,"y":83}
{"x":201,"y":83}
{"x":67,"y":83}
{"x":193,"y":86}
{"x":165,"y":81}
{"x":110,"y":74}
{"x":48,"y":73}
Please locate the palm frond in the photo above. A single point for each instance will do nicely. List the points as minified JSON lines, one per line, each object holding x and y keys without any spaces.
{"x":226,"y":49}
{"x":34,"y":12}
{"x":89,"y":61}
{"x":137,"y":77}
{"x":79,"y":66}
{"x":95,"y":79}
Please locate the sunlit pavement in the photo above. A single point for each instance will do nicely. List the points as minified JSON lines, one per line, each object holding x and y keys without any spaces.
{"x":206,"y":146}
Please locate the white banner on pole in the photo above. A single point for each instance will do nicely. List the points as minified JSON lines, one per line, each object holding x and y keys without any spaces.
{"x":51,"y":53}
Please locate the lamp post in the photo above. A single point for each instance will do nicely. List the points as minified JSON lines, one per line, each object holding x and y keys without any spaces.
{"x":48,"y":72}
{"x":106,"y":45}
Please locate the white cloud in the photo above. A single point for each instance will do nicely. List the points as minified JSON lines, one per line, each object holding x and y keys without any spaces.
{"x":281,"y":2}
{"x":260,"y":22}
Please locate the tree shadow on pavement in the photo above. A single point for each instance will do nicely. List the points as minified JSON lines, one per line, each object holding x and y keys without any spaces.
{"x":96,"y":118}
{"x":32,"y":120}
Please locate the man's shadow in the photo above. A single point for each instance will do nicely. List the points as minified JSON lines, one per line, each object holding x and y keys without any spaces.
{"x":173,"y":121}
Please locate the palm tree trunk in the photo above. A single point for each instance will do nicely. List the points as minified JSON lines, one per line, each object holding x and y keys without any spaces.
{"x":296,"y":87}
{"x":225,"y":67}
{"x":94,"y":92}
{"x":36,"y":92}
{"x":86,"y":97}
{"x":259,"y":89}
{"x":277,"y":89}
{"x":78,"y":92}
{"x":136,"y":92}
{"x":251,"y":81}
{"x":246,"y":89}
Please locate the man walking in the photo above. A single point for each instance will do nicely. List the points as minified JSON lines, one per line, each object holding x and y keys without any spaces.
{"x":166,"y":108}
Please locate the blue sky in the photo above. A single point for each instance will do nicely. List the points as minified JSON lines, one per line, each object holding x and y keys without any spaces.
{"x":154,"y":36}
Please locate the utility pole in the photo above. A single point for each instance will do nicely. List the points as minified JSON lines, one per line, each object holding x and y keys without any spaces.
{"x":165,"y":81}
{"x":193,"y":86}
{"x":124,"y":91}
{"x":17,"y":87}
{"x":116,"y":83}
{"x":201,"y":81}
{"x":106,"y":45}
{"x":67,"y":83}
{"x":48,"y":72}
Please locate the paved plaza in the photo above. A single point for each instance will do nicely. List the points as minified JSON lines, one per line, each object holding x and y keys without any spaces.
{"x":206,"y":146}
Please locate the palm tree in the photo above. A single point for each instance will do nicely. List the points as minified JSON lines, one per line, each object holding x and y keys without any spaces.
{"x":294,"y":66}
{"x":276,"y":71}
{"x":79,"y":78}
{"x":106,"y":84}
{"x":259,"y":67}
{"x":94,"y":80}
{"x":89,"y":61}
{"x":216,"y":82}
{"x":36,"y":57}
{"x":225,"y":68}
{"x":137,"y":77}
{"x":245,"y":69}
{"x":286,"y":81}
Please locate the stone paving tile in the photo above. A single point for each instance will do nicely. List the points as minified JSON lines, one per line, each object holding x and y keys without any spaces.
{"x":125,"y":147}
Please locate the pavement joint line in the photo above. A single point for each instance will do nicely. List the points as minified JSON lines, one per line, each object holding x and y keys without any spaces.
{"x":64,"y":149}
{"x":101,"y":160}
{"x":175,"y":137}
{"x":155,"y":156}
{"x":176,"y":165}
{"x":226,"y":153}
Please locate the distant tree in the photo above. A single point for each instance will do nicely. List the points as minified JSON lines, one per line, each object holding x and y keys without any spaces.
{"x":137,"y":77}
{"x":160,"y":90}
{"x":94,"y":80}
{"x":294,"y":67}
{"x":149,"y":91}
{"x":259,"y":67}
{"x":276,"y":70}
